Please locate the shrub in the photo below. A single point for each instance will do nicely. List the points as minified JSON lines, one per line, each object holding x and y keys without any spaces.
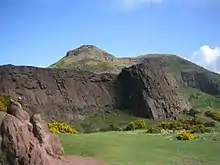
{"x":4,"y":102}
{"x":154,"y":129}
{"x":193,"y":124}
{"x":199,"y":129}
{"x":57,"y":127}
{"x":166,"y":125}
{"x":213,"y":115}
{"x":209,"y":124}
{"x":185,"y":136}
{"x":193,"y":112}
{"x":136,"y":124}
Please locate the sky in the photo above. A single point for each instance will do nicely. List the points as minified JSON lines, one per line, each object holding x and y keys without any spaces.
{"x":40,"y":32}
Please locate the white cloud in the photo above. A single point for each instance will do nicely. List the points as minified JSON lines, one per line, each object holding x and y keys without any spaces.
{"x":132,"y":4}
{"x":208,"y":57}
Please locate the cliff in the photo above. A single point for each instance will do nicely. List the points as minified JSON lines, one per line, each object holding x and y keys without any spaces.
{"x":60,"y":95}
{"x":149,"y":91}
{"x":65,"y":95}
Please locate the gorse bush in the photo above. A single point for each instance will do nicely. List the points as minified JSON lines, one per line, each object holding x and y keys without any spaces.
{"x":184,"y":135}
{"x":214,"y":115}
{"x":154,"y":129}
{"x":57,"y":127}
{"x":194,"y":125}
{"x":4,"y":102}
{"x":136,"y":124}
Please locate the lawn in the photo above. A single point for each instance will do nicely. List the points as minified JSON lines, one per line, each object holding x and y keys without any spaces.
{"x":124,"y":148}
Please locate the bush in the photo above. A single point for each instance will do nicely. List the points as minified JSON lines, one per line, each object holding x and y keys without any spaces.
{"x":4,"y":102}
{"x":166,"y":125}
{"x":213,"y":115}
{"x":194,"y":125}
{"x":199,"y":129}
{"x":57,"y":127}
{"x":209,"y":124}
{"x":154,"y":129}
{"x":193,"y":112}
{"x":185,"y":136}
{"x":136,"y":124}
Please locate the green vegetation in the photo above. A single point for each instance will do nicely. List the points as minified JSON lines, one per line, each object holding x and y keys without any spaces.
{"x":214,"y":115}
{"x":200,"y":100}
{"x":4,"y":102}
{"x":57,"y":128}
{"x":193,"y":125}
{"x":184,"y":135}
{"x":116,"y":118}
{"x":136,"y":124}
{"x":120,"y":148}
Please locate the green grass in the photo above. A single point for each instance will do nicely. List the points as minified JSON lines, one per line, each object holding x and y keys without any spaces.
{"x":123,"y":148}
{"x":118,"y":118}
{"x":199,"y":99}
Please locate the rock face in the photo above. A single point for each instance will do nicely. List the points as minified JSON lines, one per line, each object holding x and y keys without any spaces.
{"x":202,"y":81}
{"x":65,"y":95}
{"x":60,"y":95}
{"x":28,"y":141}
{"x":149,"y":91}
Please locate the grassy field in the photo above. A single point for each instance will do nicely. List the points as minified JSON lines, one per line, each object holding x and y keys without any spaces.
{"x":124,"y":148}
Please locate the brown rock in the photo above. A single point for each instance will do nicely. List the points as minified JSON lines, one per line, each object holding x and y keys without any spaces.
{"x":28,"y":141}
{"x":57,"y":94}
{"x":149,"y":91}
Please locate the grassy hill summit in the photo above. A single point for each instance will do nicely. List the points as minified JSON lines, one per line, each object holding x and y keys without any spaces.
{"x":94,"y":59}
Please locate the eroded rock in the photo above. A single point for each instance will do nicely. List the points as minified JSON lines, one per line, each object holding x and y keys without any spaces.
{"x":28,"y":141}
{"x":58,"y":94}
{"x":150,"y":92}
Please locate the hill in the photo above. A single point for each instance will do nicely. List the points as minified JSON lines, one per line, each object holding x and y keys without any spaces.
{"x":92,"y":58}
{"x":191,"y":78}
{"x":154,"y":86}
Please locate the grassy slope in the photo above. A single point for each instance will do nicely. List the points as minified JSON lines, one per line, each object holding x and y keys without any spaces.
{"x":95,"y":123}
{"x":200,"y":100}
{"x":122,"y":148}
{"x":91,"y":58}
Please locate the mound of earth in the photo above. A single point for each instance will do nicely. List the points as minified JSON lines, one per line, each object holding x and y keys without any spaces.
{"x":28,"y":141}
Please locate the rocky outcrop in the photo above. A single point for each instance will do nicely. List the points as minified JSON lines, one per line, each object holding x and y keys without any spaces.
{"x":149,"y":91}
{"x":60,"y":95}
{"x":204,"y":81}
{"x":28,"y":141}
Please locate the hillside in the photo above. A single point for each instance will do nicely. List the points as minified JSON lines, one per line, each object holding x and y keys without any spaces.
{"x":192,"y":79}
{"x":154,"y":86}
{"x":91,"y":58}
{"x":143,"y":90}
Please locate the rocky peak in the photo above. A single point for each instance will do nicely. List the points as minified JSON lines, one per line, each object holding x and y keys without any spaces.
{"x":28,"y":141}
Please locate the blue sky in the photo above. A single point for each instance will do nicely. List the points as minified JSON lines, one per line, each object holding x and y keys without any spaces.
{"x":40,"y":32}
